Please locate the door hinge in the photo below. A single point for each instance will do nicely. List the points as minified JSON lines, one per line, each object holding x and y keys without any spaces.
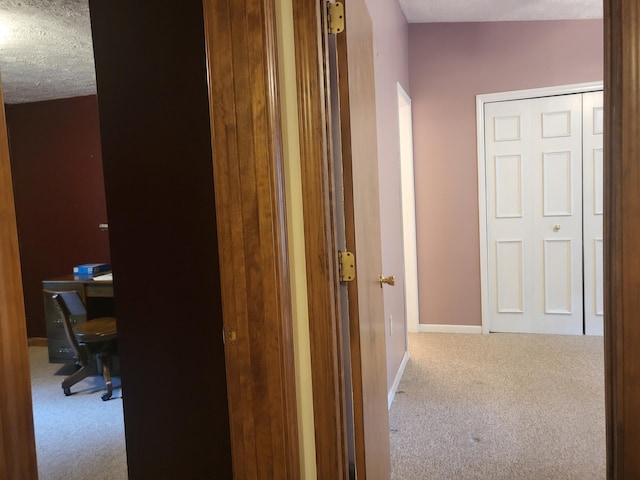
{"x":346,"y":266}
{"x":335,"y":15}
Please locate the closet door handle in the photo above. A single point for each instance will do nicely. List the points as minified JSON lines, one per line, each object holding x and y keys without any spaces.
{"x":556,"y":227}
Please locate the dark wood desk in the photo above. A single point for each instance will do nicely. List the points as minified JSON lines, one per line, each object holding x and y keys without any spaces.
{"x":97,"y":296}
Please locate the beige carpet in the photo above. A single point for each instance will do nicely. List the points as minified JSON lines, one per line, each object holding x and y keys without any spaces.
{"x":79,"y":437}
{"x":500,"y":407}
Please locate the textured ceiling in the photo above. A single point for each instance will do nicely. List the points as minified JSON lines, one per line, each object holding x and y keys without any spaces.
{"x":428,"y":11}
{"x":46,"y":52}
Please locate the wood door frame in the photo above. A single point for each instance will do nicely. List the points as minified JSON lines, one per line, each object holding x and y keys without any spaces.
{"x":248,"y":166}
{"x":481,"y":100}
{"x":622,"y":237}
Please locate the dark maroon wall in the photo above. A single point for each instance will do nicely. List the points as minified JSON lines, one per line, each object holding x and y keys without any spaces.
{"x":59,"y":193}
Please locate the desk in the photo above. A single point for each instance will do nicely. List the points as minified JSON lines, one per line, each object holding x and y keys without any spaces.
{"x":98,"y":298}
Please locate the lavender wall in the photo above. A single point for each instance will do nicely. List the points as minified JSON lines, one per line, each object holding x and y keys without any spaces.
{"x":391,"y":63}
{"x":449,"y":65}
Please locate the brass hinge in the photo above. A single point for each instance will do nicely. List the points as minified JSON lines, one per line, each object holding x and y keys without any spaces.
{"x":335,"y":14}
{"x":347,"y":266}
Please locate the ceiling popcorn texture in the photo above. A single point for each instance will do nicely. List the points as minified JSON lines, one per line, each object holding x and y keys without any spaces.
{"x":45,"y":50}
{"x":430,"y":11}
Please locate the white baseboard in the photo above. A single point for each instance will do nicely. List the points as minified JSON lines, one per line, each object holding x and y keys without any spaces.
{"x":433,"y":328}
{"x":396,"y":382}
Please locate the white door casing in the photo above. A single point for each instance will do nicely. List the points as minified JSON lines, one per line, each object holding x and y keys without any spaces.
{"x":554,"y":258}
{"x":405,"y":124}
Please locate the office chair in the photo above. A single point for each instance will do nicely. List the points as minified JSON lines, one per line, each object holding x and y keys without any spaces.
{"x":94,"y":340}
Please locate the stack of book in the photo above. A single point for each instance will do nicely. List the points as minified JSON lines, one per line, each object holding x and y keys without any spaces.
{"x":91,"y":269}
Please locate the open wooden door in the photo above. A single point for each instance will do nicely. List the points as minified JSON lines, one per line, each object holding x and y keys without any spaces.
{"x":17,"y":440}
{"x":357,"y":130}
{"x":362,"y":223}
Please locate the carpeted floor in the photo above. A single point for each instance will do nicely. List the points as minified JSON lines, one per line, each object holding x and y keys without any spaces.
{"x":500,"y":407}
{"x":490,"y":407}
{"x":79,"y":437}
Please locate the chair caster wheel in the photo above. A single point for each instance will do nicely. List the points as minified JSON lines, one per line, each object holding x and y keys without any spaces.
{"x":106,"y":396}
{"x":67,"y":391}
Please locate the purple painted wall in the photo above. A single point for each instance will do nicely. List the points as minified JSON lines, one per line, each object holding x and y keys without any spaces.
{"x":450,"y":64}
{"x":391,"y":63}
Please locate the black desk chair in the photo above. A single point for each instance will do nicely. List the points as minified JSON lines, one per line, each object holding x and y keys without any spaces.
{"x":93,"y":342}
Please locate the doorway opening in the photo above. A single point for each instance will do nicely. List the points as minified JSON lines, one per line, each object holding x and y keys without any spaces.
{"x":58,"y":186}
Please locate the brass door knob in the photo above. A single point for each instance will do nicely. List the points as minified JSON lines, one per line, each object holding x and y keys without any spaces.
{"x":390,"y":280}
{"x":556,"y":228}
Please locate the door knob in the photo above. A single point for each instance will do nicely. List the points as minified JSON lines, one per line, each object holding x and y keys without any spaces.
{"x":390,"y":280}
{"x":556,"y":227}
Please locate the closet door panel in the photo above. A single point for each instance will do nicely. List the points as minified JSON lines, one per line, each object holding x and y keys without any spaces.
{"x":592,"y":107}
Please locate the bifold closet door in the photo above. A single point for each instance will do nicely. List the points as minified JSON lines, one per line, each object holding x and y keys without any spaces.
{"x":534,"y":214}
{"x":593,"y":129}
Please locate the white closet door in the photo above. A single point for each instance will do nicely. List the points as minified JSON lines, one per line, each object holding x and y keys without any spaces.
{"x":508,"y":127}
{"x":534,"y":209}
{"x":593,"y":126}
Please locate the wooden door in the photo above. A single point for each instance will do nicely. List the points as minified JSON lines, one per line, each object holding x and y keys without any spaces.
{"x":156,"y":152}
{"x":362,"y":222}
{"x":17,"y":439}
{"x":358,"y":133}
{"x":534,"y":183}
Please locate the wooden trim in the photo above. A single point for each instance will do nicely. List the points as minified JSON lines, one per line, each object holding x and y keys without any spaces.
{"x":248,"y":177}
{"x":366,"y":308}
{"x":320,"y":244}
{"x":622,"y":237}
{"x":37,"y":342}
{"x":17,"y":438}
